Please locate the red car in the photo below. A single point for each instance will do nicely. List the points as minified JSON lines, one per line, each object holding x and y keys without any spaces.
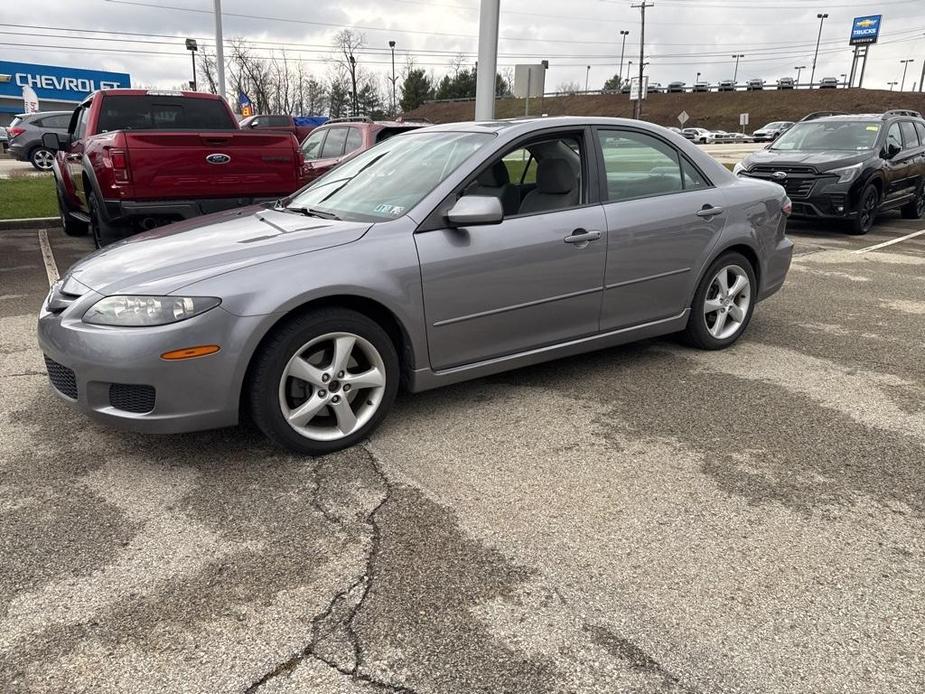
{"x":280,"y":124}
{"x":134,"y":159}
{"x":343,"y":138}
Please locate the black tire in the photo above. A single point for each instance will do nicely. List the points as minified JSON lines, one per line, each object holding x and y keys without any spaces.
{"x":867,"y":212}
{"x":72,"y":227}
{"x":103,"y":232}
{"x":697,"y":333}
{"x":41,"y":158}
{"x":263,"y":386}
{"x":916,"y":208}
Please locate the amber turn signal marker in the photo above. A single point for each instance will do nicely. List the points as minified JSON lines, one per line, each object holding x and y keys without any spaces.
{"x":190,"y":352}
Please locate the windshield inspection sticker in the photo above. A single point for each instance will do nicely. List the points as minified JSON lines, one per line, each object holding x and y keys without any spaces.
{"x":873,"y":128}
{"x":393,"y":210}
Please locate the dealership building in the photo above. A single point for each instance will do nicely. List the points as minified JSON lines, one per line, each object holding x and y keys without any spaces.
{"x":58,"y":88}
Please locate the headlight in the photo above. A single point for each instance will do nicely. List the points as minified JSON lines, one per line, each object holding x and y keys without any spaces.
{"x":739,"y":168}
{"x":141,"y":311}
{"x":847,"y":174}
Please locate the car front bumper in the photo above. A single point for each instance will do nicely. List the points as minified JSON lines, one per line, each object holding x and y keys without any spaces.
{"x":116,"y":375}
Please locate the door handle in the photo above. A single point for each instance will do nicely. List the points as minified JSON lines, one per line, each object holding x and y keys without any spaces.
{"x":582,"y":237}
{"x":709,"y":211}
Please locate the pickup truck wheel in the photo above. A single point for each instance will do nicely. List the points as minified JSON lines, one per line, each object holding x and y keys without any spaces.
{"x":103,"y":232}
{"x":41,"y":158}
{"x":72,"y":227}
{"x":323,"y":381}
{"x":867,"y":212}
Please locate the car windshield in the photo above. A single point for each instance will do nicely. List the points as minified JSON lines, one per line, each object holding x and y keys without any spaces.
{"x":827,"y":136}
{"x":388,"y":180}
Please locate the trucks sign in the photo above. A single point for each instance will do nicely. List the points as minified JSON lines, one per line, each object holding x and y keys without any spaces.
{"x":865,"y":29}
{"x":56,"y":83}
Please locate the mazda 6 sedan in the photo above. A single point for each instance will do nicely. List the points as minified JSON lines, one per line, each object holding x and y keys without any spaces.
{"x":440,"y":255}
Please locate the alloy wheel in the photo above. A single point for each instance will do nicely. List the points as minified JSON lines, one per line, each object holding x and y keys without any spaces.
{"x":727,"y":302}
{"x":43,"y":159}
{"x":332,"y":386}
{"x":867,"y":211}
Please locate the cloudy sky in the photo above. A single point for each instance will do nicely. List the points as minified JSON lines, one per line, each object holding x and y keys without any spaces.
{"x":683,"y":37}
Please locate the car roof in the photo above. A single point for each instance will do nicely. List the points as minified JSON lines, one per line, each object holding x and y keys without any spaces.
{"x":40,"y":114}
{"x":156,"y":92}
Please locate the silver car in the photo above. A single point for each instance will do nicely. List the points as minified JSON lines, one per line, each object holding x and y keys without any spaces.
{"x":445,"y":254}
{"x":25,"y":136}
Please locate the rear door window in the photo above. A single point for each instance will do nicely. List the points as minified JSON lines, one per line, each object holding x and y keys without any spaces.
{"x":920,"y":129}
{"x":334,"y":144}
{"x":59,"y":121}
{"x":354,"y":140}
{"x":277,"y":122}
{"x":909,"y":136}
{"x":147,"y":112}
{"x":638,"y":165}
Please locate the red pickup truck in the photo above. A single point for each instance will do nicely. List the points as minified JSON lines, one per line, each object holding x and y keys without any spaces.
{"x":135,"y":159}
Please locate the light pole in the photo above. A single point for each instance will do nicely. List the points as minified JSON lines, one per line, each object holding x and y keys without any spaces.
{"x":735,"y":74}
{"x":821,"y":17}
{"x":905,"y":64}
{"x":629,"y":70}
{"x":392,"y":46}
{"x":587,"y":75}
{"x":192,"y":47}
{"x":219,"y":48}
{"x":696,"y":81}
{"x":799,"y":69}
{"x":624,"y":34}
{"x":844,"y":78}
{"x":892,"y":84}
{"x":353,"y":80}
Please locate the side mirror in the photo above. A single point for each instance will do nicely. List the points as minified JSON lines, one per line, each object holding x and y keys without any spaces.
{"x":892,"y":150}
{"x":55,"y":141}
{"x":471,"y":210}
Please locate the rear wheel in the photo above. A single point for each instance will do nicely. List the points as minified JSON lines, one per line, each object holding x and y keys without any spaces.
{"x":867,"y":212}
{"x":916,"y":208}
{"x":324,"y":381}
{"x":723,"y":303}
{"x":41,"y":158}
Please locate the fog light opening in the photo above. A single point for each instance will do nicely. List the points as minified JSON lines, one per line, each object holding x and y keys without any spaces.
{"x":190,"y":352}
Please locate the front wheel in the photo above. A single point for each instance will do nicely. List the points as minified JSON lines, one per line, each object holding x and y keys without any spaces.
{"x":723,"y":303}
{"x":323,"y":381}
{"x":867,"y":212}
{"x":42,"y":159}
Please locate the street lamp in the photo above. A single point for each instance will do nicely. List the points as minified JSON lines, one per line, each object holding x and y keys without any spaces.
{"x":629,"y":70}
{"x":192,"y":47}
{"x":905,"y":64}
{"x":821,"y":17}
{"x":844,"y":78}
{"x":697,"y":80}
{"x":736,"y":73}
{"x":392,"y":47}
{"x":353,"y":79}
{"x":799,"y":69}
{"x":892,"y":84}
{"x":624,"y":34}
{"x":587,"y":75}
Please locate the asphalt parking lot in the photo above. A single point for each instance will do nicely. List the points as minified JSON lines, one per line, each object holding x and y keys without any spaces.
{"x":643,"y":519}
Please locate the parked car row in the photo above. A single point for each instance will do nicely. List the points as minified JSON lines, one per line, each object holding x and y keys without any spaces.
{"x":754,"y":84}
{"x":702,"y":136}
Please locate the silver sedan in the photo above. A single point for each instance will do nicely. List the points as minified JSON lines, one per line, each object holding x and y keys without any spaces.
{"x":440,"y":255}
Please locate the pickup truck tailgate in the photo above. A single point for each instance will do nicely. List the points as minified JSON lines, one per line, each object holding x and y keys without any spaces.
{"x":178,"y":165}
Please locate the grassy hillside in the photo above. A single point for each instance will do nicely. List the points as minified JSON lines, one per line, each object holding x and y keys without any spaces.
{"x":713,"y":110}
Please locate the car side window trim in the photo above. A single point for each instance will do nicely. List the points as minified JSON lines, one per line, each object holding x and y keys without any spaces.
{"x":602,"y":177}
{"x":590,"y":171}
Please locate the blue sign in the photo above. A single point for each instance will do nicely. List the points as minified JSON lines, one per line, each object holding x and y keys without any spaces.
{"x":56,"y":83}
{"x":865,"y":29}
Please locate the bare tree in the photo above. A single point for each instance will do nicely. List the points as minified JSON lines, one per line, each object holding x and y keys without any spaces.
{"x":347,"y":43}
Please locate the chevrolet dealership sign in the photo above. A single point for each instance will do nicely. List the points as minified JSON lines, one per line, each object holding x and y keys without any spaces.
{"x":865,"y":29}
{"x":56,"y":83}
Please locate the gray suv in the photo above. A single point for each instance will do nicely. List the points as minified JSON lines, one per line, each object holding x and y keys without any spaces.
{"x":25,"y":136}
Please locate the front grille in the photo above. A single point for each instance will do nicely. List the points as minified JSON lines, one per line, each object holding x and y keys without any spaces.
{"x":132,"y":398}
{"x":798,"y":183}
{"x":62,"y":378}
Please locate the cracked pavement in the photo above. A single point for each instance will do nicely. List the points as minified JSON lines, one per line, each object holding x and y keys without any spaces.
{"x":642,"y":519}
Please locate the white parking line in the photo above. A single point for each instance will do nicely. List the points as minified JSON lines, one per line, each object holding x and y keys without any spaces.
{"x":51,"y":268}
{"x":891,"y":242}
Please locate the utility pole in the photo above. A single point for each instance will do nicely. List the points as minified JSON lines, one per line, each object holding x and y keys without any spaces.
{"x":624,"y":34}
{"x":922,"y":78}
{"x":392,"y":46}
{"x":735,"y":74}
{"x":642,"y":46}
{"x":902,"y":85}
{"x":219,"y":49}
{"x":799,"y":69}
{"x":821,"y":17}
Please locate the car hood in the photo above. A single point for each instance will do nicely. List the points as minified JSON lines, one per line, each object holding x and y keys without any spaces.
{"x":822,"y":161}
{"x":165,"y":259}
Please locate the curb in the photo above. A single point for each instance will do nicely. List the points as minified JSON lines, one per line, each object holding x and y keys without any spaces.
{"x":29,"y":223}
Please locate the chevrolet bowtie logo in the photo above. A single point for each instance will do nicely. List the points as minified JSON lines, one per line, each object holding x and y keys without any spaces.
{"x":864,"y":23}
{"x":5,"y":78}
